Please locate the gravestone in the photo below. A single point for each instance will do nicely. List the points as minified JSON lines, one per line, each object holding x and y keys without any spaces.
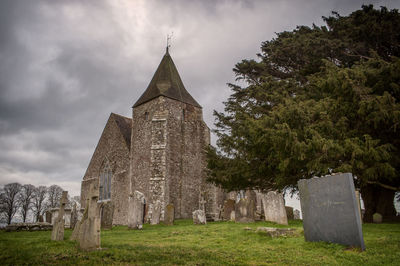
{"x":220,"y":210}
{"x":74,"y":217}
{"x":199,"y":217}
{"x":106,"y":215}
{"x":289,"y":213}
{"x":229,"y":207}
{"x":40,"y":220}
{"x":156,"y":213}
{"x":377,"y":218}
{"x":136,"y":210}
{"x":274,"y":208}
{"x":57,"y":233}
{"x":244,"y":211}
{"x":48,"y":217}
{"x":359,"y":204}
{"x":296,"y":215}
{"x":169,"y":214}
{"x":329,"y":209}
{"x":88,"y":233}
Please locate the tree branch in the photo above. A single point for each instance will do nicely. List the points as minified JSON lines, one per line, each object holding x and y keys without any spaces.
{"x":384,"y":186}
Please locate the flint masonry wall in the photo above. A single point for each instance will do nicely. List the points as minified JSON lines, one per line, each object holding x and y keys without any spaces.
{"x":167,"y":159}
{"x":112,"y":147}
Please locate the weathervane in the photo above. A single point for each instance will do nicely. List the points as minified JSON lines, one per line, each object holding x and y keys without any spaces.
{"x":169,"y":37}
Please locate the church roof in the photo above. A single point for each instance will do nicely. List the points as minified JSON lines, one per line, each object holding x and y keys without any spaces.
{"x":167,"y":82}
{"x":125,"y":127}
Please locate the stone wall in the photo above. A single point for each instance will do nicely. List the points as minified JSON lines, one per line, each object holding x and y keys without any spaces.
{"x":167,"y":159}
{"x":114,"y":147}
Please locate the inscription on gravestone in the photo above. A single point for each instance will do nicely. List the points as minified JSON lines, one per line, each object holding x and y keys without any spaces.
{"x":330,"y":211}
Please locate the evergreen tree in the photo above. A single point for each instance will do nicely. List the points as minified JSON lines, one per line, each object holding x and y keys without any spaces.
{"x":319,"y":100}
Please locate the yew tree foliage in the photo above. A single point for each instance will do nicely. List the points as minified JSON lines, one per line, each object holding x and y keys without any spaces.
{"x":318,"y":100}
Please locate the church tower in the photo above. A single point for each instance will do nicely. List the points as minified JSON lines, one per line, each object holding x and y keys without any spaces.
{"x":167,"y":143}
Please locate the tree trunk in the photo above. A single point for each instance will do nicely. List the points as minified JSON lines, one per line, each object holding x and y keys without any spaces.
{"x":378,"y":200}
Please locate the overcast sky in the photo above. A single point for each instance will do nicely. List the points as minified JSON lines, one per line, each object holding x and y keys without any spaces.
{"x":66,"y":65}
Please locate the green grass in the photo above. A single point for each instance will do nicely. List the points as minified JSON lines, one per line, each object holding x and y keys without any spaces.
{"x":218,"y":243}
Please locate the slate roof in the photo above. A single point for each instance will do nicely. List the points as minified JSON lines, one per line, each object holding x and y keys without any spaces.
{"x":167,"y":82}
{"x":125,"y":126}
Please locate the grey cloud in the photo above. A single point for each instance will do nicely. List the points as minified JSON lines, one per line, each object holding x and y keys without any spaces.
{"x":65,"y":65}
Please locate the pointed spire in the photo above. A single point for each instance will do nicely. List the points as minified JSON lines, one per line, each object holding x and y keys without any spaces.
{"x":166,"y":82}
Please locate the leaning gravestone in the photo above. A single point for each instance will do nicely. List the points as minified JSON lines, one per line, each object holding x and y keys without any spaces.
{"x":329,"y":209}
{"x":58,"y":227}
{"x":89,"y":230}
{"x":244,"y":211}
{"x":274,"y":207}
{"x":169,"y":214}
{"x":377,"y":218}
{"x":156,"y":213}
{"x":199,"y":217}
{"x":136,"y":210}
{"x":229,"y":207}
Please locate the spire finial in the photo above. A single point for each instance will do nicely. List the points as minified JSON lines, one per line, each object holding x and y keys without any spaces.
{"x":169,"y":37}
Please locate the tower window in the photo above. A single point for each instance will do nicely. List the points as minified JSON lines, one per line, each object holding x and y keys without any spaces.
{"x":105,"y":181}
{"x":183,"y":114}
{"x":146,"y":116}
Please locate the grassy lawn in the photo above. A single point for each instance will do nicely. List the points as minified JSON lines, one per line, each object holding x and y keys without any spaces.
{"x":218,"y":243}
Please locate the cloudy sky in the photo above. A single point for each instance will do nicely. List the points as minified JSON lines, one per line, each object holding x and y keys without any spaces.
{"x":65,"y":65}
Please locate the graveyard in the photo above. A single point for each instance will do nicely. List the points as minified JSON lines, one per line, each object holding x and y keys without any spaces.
{"x":216,"y":243}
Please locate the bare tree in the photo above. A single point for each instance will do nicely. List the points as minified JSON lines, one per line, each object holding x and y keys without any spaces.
{"x":39,"y":201}
{"x":54,"y":196}
{"x":25,"y":198}
{"x":9,"y":203}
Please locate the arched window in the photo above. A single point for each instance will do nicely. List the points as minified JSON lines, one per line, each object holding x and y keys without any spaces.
{"x":105,"y":181}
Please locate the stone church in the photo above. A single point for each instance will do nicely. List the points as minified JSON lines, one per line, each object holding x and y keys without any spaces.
{"x":158,"y":152}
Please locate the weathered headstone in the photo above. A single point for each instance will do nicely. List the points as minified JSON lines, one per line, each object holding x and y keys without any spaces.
{"x":244,"y":211}
{"x":156,"y":213}
{"x":58,"y":228}
{"x":74,"y":217}
{"x":136,"y":210}
{"x":48,"y":217}
{"x":377,"y":218}
{"x":169,"y":214}
{"x":329,"y":209}
{"x":89,"y":228}
{"x":107,"y":214}
{"x":40,"y":220}
{"x":274,"y":207}
{"x":289,"y":212}
{"x":296,"y":215}
{"x":229,"y":207}
{"x":199,"y":217}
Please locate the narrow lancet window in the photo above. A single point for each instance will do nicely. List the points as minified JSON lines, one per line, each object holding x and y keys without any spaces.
{"x":105,"y":181}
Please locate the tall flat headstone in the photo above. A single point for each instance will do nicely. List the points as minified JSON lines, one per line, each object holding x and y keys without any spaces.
{"x":274,"y":207}
{"x":107,"y":214}
{"x":74,"y":217}
{"x":136,"y":210}
{"x":156,"y":213}
{"x":58,"y":227}
{"x":289,"y":213}
{"x":169,"y":214}
{"x":48,"y":217}
{"x":244,"y":211}
{"x":296,"y":215}
{"x":329,"y":209}
{"x":229,"y":207}
{"x":199,"y":217}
